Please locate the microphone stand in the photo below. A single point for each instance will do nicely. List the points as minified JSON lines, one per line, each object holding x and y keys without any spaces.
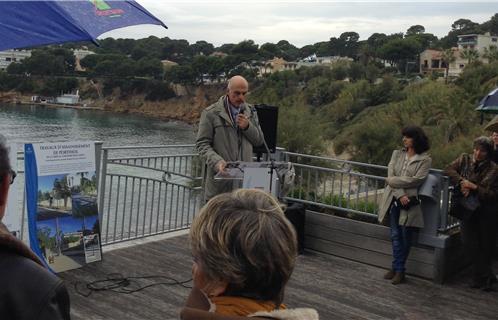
{"x":268,"y":153}
{"x":268,"y":156}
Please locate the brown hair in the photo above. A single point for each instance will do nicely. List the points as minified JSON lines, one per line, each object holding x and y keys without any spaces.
{"x":244,"y":239}
{"x":485,"y":144}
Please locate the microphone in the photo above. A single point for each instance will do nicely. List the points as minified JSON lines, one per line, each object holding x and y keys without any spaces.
{"x":242,"y":109}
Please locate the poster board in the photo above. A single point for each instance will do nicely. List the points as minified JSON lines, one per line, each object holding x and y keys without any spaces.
{"x":13,"y":218}
{"x":61,"y":197}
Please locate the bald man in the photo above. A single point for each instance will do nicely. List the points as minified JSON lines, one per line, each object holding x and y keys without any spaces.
{"x":228,"y":130}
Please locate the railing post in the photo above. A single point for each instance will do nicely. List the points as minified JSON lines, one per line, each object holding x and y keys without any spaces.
{"x":101,"y":182}
{"x":445,"y":185}
{"x":98,"y":159}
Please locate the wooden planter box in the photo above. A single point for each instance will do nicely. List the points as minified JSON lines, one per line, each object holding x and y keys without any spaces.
{"x":370,"y":243}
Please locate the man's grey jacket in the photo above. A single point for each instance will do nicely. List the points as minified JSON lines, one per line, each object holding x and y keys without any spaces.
{"x":219,"y":138}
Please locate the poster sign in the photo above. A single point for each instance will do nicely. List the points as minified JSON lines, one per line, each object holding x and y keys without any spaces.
{"x":12,"y":218}
{"x":61,"y":196}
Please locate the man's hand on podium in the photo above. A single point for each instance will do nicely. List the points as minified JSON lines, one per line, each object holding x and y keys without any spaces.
{"x":220,"y":166}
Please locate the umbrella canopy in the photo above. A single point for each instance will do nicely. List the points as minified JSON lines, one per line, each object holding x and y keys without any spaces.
{"x":492,"y":125}
{"x":489,"y":104}
{"x":35,"y":23}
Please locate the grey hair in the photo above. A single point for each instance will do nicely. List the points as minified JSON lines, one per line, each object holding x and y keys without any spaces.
{"x":243,"y":238}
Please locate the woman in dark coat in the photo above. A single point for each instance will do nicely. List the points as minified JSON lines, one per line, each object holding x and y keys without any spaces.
{"x":407,"y":170}
{"x":476,"y":174}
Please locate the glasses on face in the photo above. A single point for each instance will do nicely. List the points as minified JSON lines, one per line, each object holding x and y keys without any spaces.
{"x":13,"y":176}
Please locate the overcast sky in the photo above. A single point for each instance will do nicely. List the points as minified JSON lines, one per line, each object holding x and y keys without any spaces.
{"x":299,"y":22}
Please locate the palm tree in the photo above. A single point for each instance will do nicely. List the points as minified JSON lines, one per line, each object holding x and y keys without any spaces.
{"x":470,"y":54}
{"x":491,"y":54}
{"x":447,"y":57}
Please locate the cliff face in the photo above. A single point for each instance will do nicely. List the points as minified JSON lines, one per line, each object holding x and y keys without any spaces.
{"x":186,"y":107}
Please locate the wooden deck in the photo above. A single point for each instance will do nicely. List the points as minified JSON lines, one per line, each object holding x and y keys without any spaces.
{"x":337,"y":288}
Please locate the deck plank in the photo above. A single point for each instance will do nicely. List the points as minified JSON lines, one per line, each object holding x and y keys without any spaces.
{"x":336,"y":287}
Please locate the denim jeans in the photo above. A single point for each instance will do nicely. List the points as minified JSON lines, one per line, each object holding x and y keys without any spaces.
{"x":401,"y":237}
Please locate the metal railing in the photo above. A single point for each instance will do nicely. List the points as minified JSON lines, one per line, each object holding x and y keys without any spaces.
{"x":141,"y":195}
{"x":349,"y":187}
{"x":159,"y":192}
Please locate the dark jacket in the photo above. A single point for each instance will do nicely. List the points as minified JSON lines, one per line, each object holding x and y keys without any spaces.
{"x":28,"y":291}
{"x":484,"y":175}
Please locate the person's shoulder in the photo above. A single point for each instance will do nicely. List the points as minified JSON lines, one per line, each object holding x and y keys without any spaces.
{"x":215,"y":106}
{"x":34,"y":286}
{"x":426,"y":156}
{"x":493,"y":166}
{"x":17,"y":265}
{"x":398,"y":152}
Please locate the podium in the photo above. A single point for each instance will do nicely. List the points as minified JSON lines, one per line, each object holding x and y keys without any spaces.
{"x":253,"y":175}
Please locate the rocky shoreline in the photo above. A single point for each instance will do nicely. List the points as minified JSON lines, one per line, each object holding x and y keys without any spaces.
{"x":186,"y":107}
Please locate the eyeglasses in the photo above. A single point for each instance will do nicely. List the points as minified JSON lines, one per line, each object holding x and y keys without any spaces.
{"x":13,"y":176}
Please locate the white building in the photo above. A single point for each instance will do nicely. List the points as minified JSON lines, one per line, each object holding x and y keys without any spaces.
{"x":70,"y":99}
{"x":477,"y":42}
{"x":9,"y":56}
{"x":313,"y":60}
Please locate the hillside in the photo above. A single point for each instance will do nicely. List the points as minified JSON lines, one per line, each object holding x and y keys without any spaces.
{"x":364,"y":118}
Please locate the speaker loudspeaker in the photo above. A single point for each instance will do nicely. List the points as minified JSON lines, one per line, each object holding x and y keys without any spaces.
{"x":268,"y":120}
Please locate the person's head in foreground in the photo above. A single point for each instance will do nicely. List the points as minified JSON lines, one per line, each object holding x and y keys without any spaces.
{"x":244,"y":247}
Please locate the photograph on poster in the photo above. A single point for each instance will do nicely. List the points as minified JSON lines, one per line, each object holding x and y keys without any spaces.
{"x":67,"y":220}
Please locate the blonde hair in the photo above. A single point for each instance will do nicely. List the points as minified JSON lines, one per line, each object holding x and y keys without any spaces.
{"x":244,"y":239}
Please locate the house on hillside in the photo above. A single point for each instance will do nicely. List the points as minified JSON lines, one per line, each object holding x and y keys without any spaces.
{"x":330,"y":61}
{"x":431,"y":60}
{"x":218,"y":54}
{"x":168,"y":64}
{"x":276,"y":65}
{"x":478,"y":42}
{"x":9,"y":56}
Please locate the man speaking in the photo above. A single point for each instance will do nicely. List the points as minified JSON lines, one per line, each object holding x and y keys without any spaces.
{"x":228,"y":130}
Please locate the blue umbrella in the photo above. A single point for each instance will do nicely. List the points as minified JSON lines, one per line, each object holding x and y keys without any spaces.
{"x":489,"y":104}
{"x":35,"y":23}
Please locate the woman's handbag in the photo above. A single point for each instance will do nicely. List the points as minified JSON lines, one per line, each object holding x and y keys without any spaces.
{"x":463,"y":207}
{"x":413,"y":201}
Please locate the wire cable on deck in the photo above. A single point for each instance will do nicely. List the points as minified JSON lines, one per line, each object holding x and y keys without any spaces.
{"x":118,"y":283}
